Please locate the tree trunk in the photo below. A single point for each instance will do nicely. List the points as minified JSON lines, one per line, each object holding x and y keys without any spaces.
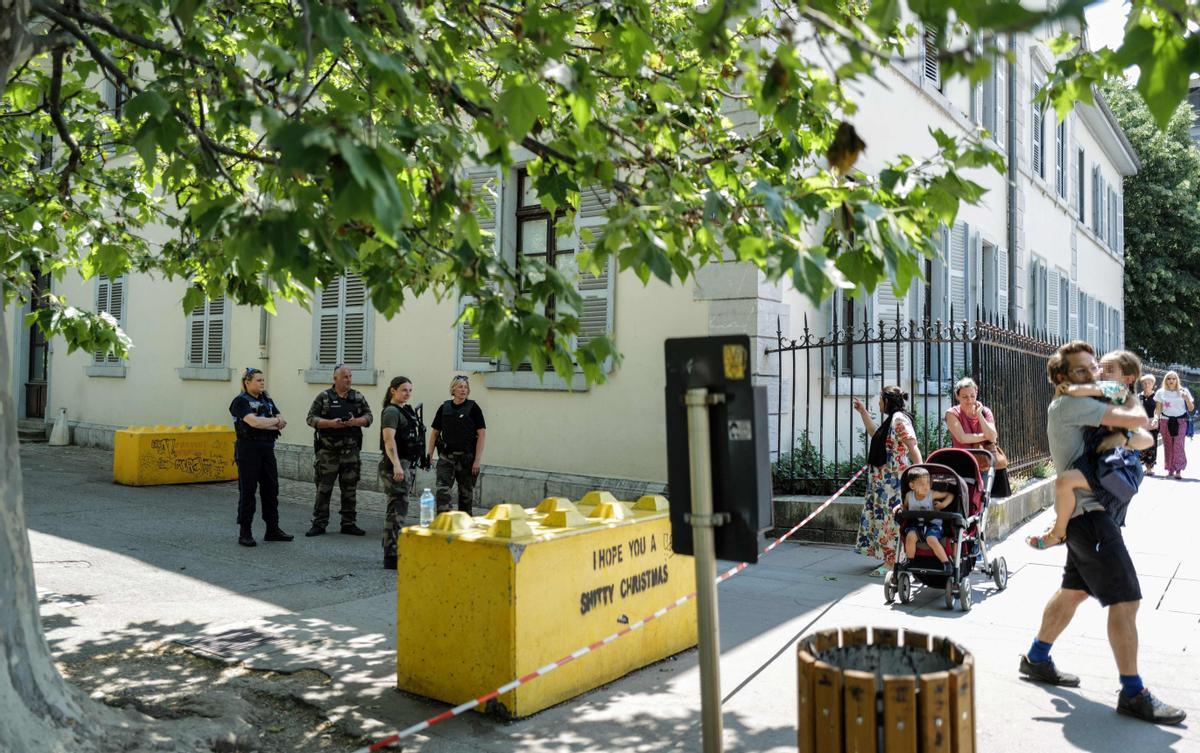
{"x":39,"y":706}
{"x":16,"y":43}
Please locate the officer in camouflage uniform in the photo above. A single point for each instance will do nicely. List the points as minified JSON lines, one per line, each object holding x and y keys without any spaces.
{"x":337,"y":417}
{"x":458,"y":433}
{"x":402,"y":444}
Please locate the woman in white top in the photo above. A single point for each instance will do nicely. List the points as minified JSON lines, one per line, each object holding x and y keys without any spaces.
{"x":1172,"y":403}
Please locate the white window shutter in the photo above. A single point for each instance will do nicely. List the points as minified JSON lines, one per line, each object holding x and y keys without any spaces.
{"x":102,"y":305}
{"x":1052,"y":302}
{"x":328,"y":319}
{"x":929,"y":58}
{"x":1002,"y":282}
{"x":1073,"y":302}
{"x":1121,"y":225}
{"x":487,"y":186}
{"x":1038,"y":135}
{"x":960,"y":244}
{"x":1119,"y":331}
{"x":890,"y":314}
{"x":597,"y":291}
{"x":354,"y":322}
{"x":1000,"y":70}
{"x":215,"y":342}
{"x":1096,"y":198}
{"x":1060,"y":158}
{"x":116,"y":307}
{"x":1092,"y":329}
{"x":196,"y":339}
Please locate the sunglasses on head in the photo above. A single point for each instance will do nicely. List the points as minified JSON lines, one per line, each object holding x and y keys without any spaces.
{"x":250,"y":371}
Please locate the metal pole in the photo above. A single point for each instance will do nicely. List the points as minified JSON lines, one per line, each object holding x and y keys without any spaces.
{"x":704,"y":548}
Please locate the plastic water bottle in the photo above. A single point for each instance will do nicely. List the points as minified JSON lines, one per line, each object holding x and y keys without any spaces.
{"x":426,"y":507}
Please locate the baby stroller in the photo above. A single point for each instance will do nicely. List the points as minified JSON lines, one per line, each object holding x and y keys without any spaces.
{"x":967,"y":474}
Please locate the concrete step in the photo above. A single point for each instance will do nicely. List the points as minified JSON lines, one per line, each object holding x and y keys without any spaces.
{"x":32,"y":431}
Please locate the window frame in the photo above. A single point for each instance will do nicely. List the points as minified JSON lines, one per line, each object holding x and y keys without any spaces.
{"x":109,"y":365}
{"x":207,"y":370}
{"x":363,"y":373}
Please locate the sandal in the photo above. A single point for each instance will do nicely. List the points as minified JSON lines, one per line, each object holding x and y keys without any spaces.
{"x":879,"y":572}
{"x":1045,"y":541}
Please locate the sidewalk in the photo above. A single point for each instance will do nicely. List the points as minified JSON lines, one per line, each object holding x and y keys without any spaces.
{"x":119,"y":566}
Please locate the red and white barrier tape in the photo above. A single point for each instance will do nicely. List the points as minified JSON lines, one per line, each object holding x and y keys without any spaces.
{"x":462,"y":708}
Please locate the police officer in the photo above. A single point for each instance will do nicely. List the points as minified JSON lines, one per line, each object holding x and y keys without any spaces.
{"x":337,"y":417}
{"x":458,"y":434}
{"x":257,"y":423}
{"x":402,"y":442}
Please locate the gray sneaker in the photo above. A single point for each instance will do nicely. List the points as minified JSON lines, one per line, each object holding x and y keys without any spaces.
{"x":1045,"y":671}
{"x":1148,"y":708}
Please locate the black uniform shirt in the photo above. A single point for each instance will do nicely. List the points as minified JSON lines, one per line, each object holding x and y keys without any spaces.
{"x":262,"y":406}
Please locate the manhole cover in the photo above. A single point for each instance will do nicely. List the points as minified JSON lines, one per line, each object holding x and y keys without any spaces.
{"x":229,"y":643}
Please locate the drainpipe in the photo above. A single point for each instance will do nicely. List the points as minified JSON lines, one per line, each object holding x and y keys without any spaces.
{"x":264,"y":326}
{"x":1012,"y":182}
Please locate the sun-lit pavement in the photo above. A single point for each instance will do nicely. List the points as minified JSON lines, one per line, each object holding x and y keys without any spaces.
{"x":116,"y":565}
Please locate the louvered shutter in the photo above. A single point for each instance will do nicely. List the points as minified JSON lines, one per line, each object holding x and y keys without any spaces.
{"x":929,"y":59}
{"x":960,"y":241}
{"x":110,"y":297}
{"x":197,"y":320}
{"x":1101,"y":327}
{"x":1092,"y":329}
{"x":1060,"y":158}
{"x":1072,"y":165}
{"x":1000,"y":67}
{"x":486,"y":186}
{"x":596,"y":319}
{"x":1073,"y":323}
{"x":1052,"y":302}
{"x":1119,"y":339}
{"x":354,"y":322}
{"x":103,"y":296}
{"x":1039,"y":133}
{"x":889,"y":314}
{"x":215,"y":353}
{"x":1002,"y":282}
{"x":328,"y":315}
{"x":1121,"y":225}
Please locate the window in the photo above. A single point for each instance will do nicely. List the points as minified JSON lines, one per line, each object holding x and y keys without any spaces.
{"x":342,"y":330}
{"x":1038,"y":157}
{"x":111,"y":300}
{"x":1097,"y":199}
{"x":850,"y":318}
{"x":1080,"y":168}
{"x":930,"y":64}
{"x":207,"y":342}
{"x":1060,"y":159}
{"x":524,"y":233}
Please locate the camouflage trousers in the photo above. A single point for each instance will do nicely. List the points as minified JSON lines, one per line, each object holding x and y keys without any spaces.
{"x":455,"y":467}
{"x":340,"y":463}
{"x":397,"y":493}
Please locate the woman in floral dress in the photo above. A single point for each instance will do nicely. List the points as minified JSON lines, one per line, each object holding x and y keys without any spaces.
{"x":894,"y":448}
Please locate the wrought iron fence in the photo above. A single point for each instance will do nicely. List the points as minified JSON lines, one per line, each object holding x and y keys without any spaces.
{"x":819,"y":441}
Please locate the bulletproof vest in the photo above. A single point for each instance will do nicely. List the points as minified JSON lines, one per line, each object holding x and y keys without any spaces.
{"x":340,"y":407}
{"x":458,"y":429}
{"x":410,"y":435}
{"x":261,"y":406}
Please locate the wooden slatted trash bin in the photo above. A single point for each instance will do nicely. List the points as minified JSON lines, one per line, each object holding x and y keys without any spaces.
{"x":884,"y":690}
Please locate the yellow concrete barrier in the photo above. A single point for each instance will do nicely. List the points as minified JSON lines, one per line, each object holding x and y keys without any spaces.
{"x":481,"y":601}
{"x":149,"y":455}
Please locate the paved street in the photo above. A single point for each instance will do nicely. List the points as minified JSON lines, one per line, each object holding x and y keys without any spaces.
{"x":118,"y":566}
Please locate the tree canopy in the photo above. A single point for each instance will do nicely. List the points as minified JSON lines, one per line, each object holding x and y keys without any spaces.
{"x":1162,"y":231}
{"x":284,"y":142}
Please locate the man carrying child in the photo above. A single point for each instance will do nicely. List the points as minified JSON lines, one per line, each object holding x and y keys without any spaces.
{"x":1098,"y":564}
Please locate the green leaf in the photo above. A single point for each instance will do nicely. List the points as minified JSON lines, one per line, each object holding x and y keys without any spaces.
{"x":520,"y":105}
{"x":146,"y":102}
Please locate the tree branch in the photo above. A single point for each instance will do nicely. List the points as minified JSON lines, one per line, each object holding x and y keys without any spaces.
{"x":60,"y":124}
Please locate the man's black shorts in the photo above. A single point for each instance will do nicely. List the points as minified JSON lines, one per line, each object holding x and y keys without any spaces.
{"x":1097,"y":560}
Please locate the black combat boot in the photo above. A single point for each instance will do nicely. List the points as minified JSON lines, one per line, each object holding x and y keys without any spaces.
{"x":275,"y":533}
{"x":246,"y":538}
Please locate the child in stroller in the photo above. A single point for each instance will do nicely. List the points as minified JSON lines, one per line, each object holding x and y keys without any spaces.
{"x":954,"y":473}
{"x":922,"y":497}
